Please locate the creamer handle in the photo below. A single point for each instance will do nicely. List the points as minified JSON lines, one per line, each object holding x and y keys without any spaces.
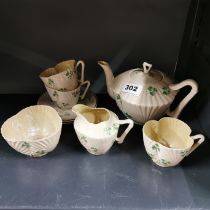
{"x":127,"y":130}
{"x":82,"y":70}
{"x":194,"y":89}
{"x":200,"y":138}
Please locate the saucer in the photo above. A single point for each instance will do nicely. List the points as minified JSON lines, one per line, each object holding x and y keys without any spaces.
{"x":67,"y":115}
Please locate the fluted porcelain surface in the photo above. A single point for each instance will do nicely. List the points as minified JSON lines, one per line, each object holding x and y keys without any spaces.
{"x":97,"y":138}
{"x":152,"y":102}
{"x":62,"y":76}
{"x":33,"y":131}
{"x":97,"y":128}
{"x":168,"y":141}
{"x":145,"y":94}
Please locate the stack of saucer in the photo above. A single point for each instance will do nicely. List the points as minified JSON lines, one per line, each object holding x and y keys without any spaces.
{"x":65,"y":88}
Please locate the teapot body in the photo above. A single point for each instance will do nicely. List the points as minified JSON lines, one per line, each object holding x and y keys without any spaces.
{"x":147,"y":101}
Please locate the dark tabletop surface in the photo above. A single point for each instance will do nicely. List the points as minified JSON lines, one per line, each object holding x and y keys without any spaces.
{"x":124,"y":178}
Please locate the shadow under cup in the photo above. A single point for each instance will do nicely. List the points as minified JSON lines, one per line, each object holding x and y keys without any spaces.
{"x":66,"y":99}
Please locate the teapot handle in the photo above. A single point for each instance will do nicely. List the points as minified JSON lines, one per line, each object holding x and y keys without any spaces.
{"x":198,"y":143}
{"x":82,"y":70}
{"x":127,"y":130}
{"x":194,"y":89}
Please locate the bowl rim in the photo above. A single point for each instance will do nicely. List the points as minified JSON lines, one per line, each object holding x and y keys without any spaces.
{"x":28,"y":140}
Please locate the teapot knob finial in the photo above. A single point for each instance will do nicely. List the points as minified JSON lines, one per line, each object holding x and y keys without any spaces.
{"x":147,"y":67}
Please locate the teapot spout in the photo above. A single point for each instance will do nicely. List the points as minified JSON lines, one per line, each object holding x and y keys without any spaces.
{"x":109,"y":77}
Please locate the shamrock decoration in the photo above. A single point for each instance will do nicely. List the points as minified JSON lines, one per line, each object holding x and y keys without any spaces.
{"x":152,"y":90}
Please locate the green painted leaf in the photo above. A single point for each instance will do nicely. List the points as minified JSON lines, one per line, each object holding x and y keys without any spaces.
{"x":107,"y":130}
{"x":25,"y":144}
{"x":70,"y":73}
{"x":166,"y":91}
{"x":152,"y":90}
{"x":184,"y":153}
{"x":63,"y":89}
{"x":41,"y":152}
{"x":50,"y":82}
{"x":165,"y":163}
{"x":55,"y":94}
{"x":127,"y":115}
{"x":156,"y":147}
{"x":75,"y":94}
{"x":83,"y":138}
{"x":118,"y":98}
{"x":115,"y":126}
{"x":94,"y":149}
{"x":65,"y":104}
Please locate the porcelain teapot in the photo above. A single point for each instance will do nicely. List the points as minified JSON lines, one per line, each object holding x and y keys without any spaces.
{"x":97,"y":128}
{"x":145,"y":94}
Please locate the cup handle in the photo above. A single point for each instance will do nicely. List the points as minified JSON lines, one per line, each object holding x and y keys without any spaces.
{"x":194,"y":89}
{"x":81,"y":80}
{"x":127,"y":130}
{"x":200,"y":138}
{"x":87,"y":83}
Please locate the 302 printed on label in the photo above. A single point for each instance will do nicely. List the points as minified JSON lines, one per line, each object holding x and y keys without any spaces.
{"x":132,"y":88}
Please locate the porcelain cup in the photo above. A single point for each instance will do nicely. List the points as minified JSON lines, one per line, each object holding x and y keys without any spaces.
{"x":64,"y":76}
{"x":168,"y":141}
{"x":66,"y":99}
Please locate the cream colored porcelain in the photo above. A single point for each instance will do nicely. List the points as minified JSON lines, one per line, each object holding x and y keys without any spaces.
{"x":68,"y":115}
{"x":33,"y":131}
{"x":145,"y":94}
{"x":168,"y":141}
{"x":63,"y":76}
{"x":97,"y":128}
{"x":67,"y":99}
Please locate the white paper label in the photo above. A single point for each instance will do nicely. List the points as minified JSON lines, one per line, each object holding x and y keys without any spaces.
{"x":132,"y":88}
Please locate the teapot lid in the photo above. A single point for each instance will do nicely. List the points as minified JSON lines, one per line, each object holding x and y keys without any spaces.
{"x":147,"y":75}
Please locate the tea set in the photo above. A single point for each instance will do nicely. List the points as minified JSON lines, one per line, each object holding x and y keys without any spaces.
{"x":144,"y":95}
